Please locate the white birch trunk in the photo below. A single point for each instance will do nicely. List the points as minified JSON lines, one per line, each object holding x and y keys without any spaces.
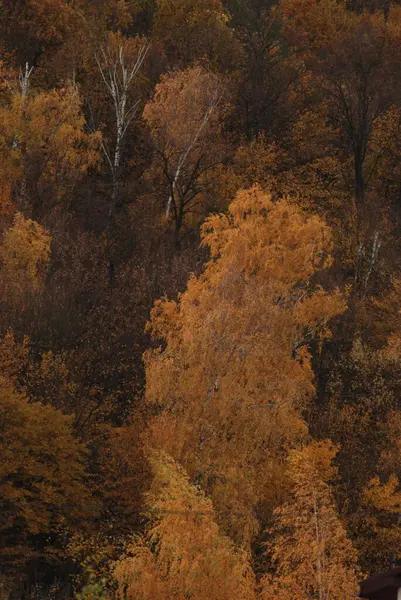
{"x":118,"y":79}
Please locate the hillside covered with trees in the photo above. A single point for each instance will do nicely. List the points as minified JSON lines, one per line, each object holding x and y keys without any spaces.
{"x":200,"y":298}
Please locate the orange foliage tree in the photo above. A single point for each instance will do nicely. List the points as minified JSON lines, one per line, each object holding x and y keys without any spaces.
{"x":184,"y":118}
{"x":182,"y":554}
{"x":189,"y":32}
{"x":43,"y":483}
{"x":313,"y":557}
{"x":45,"y":149}
{"x":349,"y":82}
{"x":24,"y":259}
{"x":377,"y":523}
{"x":235,"y":371}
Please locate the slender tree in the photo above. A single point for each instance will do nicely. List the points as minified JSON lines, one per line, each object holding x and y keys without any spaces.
{"x":185,"y":123}
{"x":314,"y":559}
{"x":183,"y":553}
{"x":119,"y":63}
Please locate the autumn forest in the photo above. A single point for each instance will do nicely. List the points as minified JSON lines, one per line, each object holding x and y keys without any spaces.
{"x":200,"y":298}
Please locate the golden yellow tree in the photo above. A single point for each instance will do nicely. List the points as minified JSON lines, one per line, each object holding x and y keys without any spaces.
{"x":44,"y":147}
{"x":24,"y":258}
{"x":43,"y":482}
{"x":313,"y":557}
{"x":235,"y":372}
{"x":376,"y":522}
{"x":183,"y":554}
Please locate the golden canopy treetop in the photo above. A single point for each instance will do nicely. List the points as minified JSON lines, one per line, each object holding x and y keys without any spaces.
{"x":44,"y":145}
{"x":185,"y":120}
{"x":182,"y":101}
{"x":191,"y":31}
{"x":235,"y":371}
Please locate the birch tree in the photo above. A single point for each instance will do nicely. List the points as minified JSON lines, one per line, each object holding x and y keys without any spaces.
{"x":24,"y":79}
{"x":119,"y":62}
{"x":235,"y":373}
{"x":184,"y":118}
